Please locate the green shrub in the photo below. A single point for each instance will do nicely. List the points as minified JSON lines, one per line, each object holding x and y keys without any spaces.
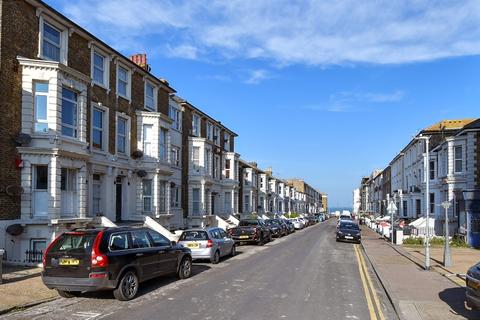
{"x":292,"y":215}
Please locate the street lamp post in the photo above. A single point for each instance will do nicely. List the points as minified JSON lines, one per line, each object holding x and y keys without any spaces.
{"x":447,"y":257}
{"x":427,"y":200}
{"x":392,"y":207}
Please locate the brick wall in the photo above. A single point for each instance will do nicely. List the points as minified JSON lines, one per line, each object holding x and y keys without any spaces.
{"x":186,"y":128}
{"x":477,"y":178}
{"x":19,"y":30}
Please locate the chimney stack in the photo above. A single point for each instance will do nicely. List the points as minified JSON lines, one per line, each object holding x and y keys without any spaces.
{"x":140,"y":59}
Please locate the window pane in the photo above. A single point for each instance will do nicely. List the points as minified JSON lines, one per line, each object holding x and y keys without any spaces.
{"x":51,"y":34}
{"x":119,"y":242}
{"x":140,"y":239}
{"x":41,"y":176}
{"x":147,"y":187}
{"x":50,"y":51}
{"x":121,"y":126}
{"x":147,"y":204}
{"x":41,"y":107}
{"x":122,"y":74}
{"x":97,"y":118}
{"x":68,"y":113}
{"x":69,"y":94}
{"x":121,"y":144}
{"x":122,"y":88}
{"x":98,"y":75}
{"x":97,"y":138}
{"x":41,"y":87}
{"x":98,"y":61}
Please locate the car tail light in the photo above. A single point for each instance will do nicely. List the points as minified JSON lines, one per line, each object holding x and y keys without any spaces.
{"x":209,"y":243}
{"x":97,"y":275}
{"x":99,"y":260}
{"x":44,"y":258}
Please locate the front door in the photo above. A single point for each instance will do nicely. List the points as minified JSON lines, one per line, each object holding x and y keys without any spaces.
{"x":212,"y":201}
{"x":118,"y":199}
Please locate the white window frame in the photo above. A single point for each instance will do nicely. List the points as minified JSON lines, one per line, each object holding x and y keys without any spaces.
{"x":216,"y":166}
{"x":163,"y":146}
{"x":35,"y":107}
{"x":196,"y":160}
{"x":97,"y":196}
{"x":64,"y":35}
{"x":455,"y":159}
{"x":226,"y":141}
{"x":162,"y":197}
{"x":176,"y":115}
{"x":155,"y":93}
{"x":148,"y":197}
{"x":105,"y":128}
{"x":216,"y":135}
{"x":175,"y":197}
{"x":196,"y":208}
{"x":208,"y":161}
{"x":147,"y":143}
{"x":209,"y":131}
{"x":75,"y":126}
{"x":106,"y":68}
{"x":196,"y":128}
{"x":127,"y":134}
{"x":129,"y":81}
{"x":175,"y":160}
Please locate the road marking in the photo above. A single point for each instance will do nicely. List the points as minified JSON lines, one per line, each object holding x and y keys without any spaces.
{"x":373,"y":316}
{"x":369,"y":281}
{"x":374,"y":292}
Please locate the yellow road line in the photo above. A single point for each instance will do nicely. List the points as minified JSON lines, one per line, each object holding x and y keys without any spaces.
{"x":369,"y":280}
{"x":373,"y":316}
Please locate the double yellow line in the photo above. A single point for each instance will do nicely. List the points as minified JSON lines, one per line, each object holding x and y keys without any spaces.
{"x":373,"y":303}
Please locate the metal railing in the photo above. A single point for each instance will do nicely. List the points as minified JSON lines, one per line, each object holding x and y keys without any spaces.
{"x":33,"y":256}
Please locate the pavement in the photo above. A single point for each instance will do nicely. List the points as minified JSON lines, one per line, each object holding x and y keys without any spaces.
{"x":22,"y":287}
{"x":306,"y":275}
{"x":415,"y":293}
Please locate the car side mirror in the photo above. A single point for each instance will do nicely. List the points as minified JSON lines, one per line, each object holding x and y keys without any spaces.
{"x":173,"y":243}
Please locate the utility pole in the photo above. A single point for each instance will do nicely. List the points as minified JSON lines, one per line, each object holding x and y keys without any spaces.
{"x":447,"y":257}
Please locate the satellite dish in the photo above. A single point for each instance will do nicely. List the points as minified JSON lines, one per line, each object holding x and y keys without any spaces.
{"x":13,"y":190}
{"x":137,"y":154}
{"x":23,"y":139}
{"x":14,"y":229}
{"x":141,"y":173}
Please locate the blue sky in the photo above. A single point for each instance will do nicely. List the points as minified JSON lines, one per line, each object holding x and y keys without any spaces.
{"x":324,"y":91}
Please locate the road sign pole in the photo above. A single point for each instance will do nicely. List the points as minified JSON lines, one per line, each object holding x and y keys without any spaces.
{"x":447,"y":257}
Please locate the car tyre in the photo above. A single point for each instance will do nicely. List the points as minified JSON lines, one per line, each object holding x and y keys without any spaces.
{"x":216,"y":257}
{"x":127,"y":286}
{"x":261,"y":240}
{"x":234,"y":251}
{"x":68,"y":294}
{"x":185,"y":269}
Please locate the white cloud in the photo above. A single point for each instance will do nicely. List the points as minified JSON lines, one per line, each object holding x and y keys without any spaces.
{"x":307,"y":32}
{"x":256,"y":76}
{"x":184,"y":51}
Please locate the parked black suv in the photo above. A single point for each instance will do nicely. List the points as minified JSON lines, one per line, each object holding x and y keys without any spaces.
{"x":111,"y":258}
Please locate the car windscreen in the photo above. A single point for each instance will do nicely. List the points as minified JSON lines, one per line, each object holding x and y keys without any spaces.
{"x":246,"y":223}
{"x":350,"y":226}
{"x":193,"y":236}
{"x":74,"y":242}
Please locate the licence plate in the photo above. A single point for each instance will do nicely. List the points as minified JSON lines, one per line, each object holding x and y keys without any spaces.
{"x":193,"y":245}
{"x":348,"y":237}
{"x":69,"y":262}
{"x":243,"y":237}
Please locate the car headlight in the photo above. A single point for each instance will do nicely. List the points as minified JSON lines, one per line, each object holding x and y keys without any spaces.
{"x":339,"y":232}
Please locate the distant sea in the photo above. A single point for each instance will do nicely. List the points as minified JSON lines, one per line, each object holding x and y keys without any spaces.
{"x":333,"y":209}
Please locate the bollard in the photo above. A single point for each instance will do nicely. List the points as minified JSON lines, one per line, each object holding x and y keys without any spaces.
{"x":1,"y":262}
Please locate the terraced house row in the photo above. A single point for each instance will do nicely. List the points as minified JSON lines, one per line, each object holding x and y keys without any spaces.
{"x":89,"y":135}
{"x":452,"y":170}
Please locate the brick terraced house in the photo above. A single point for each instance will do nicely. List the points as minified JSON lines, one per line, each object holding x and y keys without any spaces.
{"x":92,"y":137}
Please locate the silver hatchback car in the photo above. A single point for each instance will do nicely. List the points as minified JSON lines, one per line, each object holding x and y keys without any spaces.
{"x":210,"y":243}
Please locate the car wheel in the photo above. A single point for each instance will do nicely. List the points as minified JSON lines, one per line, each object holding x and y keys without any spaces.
{"x":127,"y":287}
{"x":234,"y":251}
{"x":216,"y":258}
{"x":261,"y":241}
{"x":68,"y":294}
{"x":185,"y":269}
{"x":270,"y":237}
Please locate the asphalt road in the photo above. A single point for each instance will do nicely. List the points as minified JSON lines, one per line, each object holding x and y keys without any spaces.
{"x":306,"y":275}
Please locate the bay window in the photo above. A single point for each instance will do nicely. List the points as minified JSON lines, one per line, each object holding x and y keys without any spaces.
{"x":147,"y":139}
{"x":40,"y":106}
{"x":162,"y":200}
{"x":147,"y":195}
{"x":69,"y":113}
{"x":163,"y":144}
{"x":196,"y":201}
